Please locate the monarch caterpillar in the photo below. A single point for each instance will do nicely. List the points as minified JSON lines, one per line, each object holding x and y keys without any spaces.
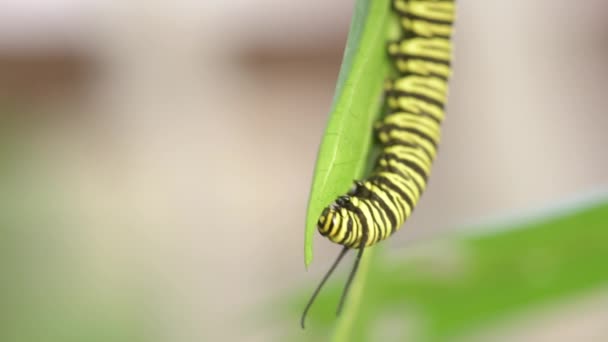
{"x":374,"y":208}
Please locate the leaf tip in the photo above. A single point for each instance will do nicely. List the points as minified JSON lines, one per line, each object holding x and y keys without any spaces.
{"x":308,"y":255}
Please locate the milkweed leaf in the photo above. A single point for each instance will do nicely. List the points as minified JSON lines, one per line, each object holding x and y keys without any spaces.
{"x":357,"y":103}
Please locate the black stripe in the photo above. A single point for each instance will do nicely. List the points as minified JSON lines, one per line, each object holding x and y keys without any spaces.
{"x":422,"y":82}
{"x":404,"y":72}
{"x":349,"y":229}
{"x":324,"y":213}
{"x":375,"y":224}
{"x":406,"y":14}
{"x":410,"y":33}
{"x":409,"y":56}
{"x":421,"y":97}
{"x":381,"y":203}
{"x":394,"y":141}
{"x":380,"y":182}
{"x":386,"y":182}
{"x":410,"y":164}
{"x":392,"y":127}
{"x":429,"y":43}
{"x":405,"y":175}
{"x":364,"y":226}
{"x":378,"y":204}
{"x":357,"y":234}
{"x":335,"y":229}
{"x":407,"y":185}
{"x":399,"y":142}
{"x":360,"y":190}
{"x":422,"y":113}
{"x":397,"y":205}
{"x":377,"y":184}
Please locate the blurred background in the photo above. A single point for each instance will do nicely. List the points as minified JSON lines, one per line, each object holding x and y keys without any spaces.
{"x":155,"y":160}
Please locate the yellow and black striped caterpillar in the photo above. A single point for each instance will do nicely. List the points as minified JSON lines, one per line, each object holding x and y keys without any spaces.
{"x":378,"y":206}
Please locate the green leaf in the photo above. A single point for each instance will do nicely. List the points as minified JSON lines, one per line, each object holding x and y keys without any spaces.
{"x":476,"y":279}
{"x":343,"y":154}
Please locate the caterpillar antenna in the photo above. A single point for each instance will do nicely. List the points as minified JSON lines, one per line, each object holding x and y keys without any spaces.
{"x":318,"y":289}
{"x":349,"y":281}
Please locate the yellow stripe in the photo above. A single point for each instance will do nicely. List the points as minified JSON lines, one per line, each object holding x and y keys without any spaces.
{"x":359,"y":229}
{"x":328,"y":220}
{"x":437,"y":48}
{"x":410,"y":138}
{"x":411,"y":153}
{"x":334,"y":234}
{"x":438,"y":10}
{"x":375,"y":227}
{"x":415,"y":105}
{"x":384,"y":197}
{"x":357,"y":203}
{"x":400,"y":5}
{"x":344,"y":223}
{"x":384,"y":222}
{"x":420,"y":67}
{"x":405,"y":185}
{"x":432,"y":87}
{"x":412,"y":121}
{"x":382,"y":194}
{"x":425,"y":28}
{"x":407,"y":171}
{"x":397,"y":182}
{"x":354,"y":236}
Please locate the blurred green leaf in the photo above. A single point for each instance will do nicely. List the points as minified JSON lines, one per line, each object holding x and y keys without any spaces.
{"x":343,"y":154}
{"x":45,"y":292}
{"x":452,"y":288}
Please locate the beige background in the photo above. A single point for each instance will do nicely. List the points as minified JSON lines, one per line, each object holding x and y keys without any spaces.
{"x":180,"y":138}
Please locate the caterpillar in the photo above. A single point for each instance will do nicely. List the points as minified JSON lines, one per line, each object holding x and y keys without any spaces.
{"x":375,"y":208}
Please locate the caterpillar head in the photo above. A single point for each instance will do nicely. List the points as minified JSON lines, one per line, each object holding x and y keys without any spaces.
{"x":329,"y":219}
